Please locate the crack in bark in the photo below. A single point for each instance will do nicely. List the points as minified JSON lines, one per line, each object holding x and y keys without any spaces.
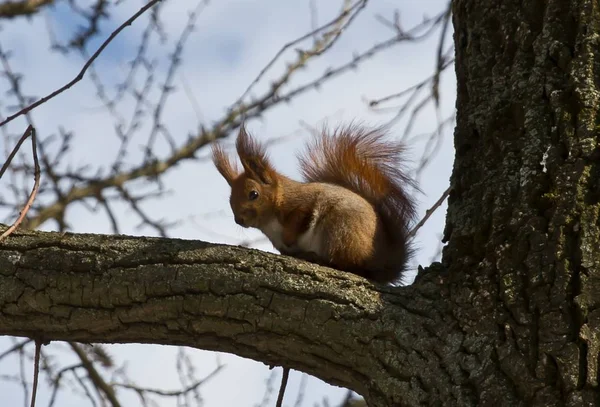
{"x":276,"y":309}
{"x":528,"y":88}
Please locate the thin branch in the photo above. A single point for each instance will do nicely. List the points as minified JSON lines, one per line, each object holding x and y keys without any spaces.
{"x":284,"y":380}
{"x":429,"y":212}
{"x":441,"y":58}
{"x":12,"y":9}
{"x":268,"y":390}
{"x":318,"y":49}
{"x":56,"y":382}
{"x":85,"y":67}
{"x":30,"y":131}
{"x":36,"y":371}
{"x":349,"y":401}
{"x":330,"y":73}
{"x":15,"y":348}
{"x":301,"y":390}
{"x":171,"y":393}
{"x":22,"y":379}
{"x":95,"y":377}
{"x":86,"y":391}
{"x":167,"y":87}
{"x":417,"y":86}
{"x":221,"y":128}
{"x":12,"y":154}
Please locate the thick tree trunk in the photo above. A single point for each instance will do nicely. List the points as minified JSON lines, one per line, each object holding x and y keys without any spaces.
{"x":523,"y":238}
{"x":510,"y":319}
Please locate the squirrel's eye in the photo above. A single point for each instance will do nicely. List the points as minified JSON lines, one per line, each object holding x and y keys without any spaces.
{"x":253,"y":195}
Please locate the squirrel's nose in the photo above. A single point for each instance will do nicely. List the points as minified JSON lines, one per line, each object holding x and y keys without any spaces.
{"x":239,"y":220}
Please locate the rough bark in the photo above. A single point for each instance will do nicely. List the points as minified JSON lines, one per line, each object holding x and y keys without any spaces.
{"x":388,"y":344}
{"x":522,"y":225}
{"x":512,"y":316}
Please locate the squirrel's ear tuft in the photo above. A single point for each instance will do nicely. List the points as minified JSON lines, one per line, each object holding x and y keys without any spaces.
{"x":228,"y":170}
{"x":254,"y":158}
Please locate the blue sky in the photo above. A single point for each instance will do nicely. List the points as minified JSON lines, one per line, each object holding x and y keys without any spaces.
{"x":233,"y":40}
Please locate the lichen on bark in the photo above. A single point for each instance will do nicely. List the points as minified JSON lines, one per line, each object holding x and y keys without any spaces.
{"x":272,"y":308}
{"x":509,"y":318}
{"x":527,"y":153}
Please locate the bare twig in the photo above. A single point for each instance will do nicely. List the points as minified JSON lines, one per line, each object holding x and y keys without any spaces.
{"x":410,"y":35}
{"x":85,"y":66}
{"x":301,"y":391}
{"x":22,"y":379}
{"x":99,"y":11}
{"x":268,"y":390}
{"x":104,"y":189}
{"x":346,"y":401}
{"x":14,"y":348}
{"x":36,"y":371}
{"x":172,"y":393}
{"x":167,"y":86}
{"x":318,"y":48}
{"x":284,"y":380}
{"x":440,"y":58}
{"x":154,"y":168}
{"x":14,"y":151}
{"x":87,"y":391}
{"x":429,"y":212}
{"x":417,"y":86}
{"x":30,"y":131}
{"x":94,"y":375}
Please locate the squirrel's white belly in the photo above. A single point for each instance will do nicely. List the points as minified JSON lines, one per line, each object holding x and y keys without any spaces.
{"x":274,"y":231}
{"x":309,"y":241}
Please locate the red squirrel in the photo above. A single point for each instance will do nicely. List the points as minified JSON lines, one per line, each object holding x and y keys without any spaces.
{"x":352,"y":212}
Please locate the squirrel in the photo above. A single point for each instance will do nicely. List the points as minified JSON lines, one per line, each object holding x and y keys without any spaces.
{"x":352,"y":212}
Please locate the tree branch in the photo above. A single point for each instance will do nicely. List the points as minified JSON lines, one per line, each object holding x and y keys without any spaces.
{"x":12,"y":9}
{"x":276,"y":309}
{"x":85,"y":66}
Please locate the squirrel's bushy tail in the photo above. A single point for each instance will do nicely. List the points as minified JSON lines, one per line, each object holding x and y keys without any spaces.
{"x":362,"y":160}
